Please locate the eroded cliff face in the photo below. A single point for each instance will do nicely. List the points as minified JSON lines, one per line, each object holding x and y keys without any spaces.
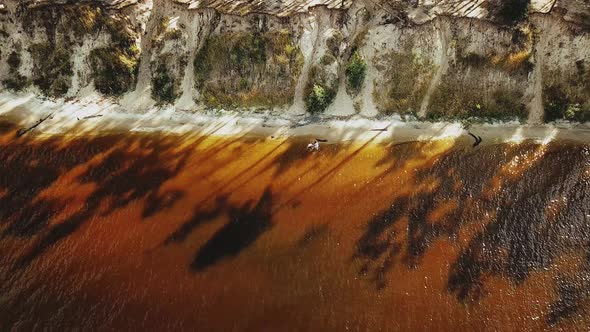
{"x":341,"y":58}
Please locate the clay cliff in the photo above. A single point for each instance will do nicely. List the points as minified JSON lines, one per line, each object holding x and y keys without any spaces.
{"x":432,"y":59}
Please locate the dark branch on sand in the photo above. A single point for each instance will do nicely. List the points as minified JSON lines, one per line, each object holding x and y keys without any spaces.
{"x":23,"y":131}
{"x":477,"y":139}
{"x":381,"y":129}
{"x":90,"y":117}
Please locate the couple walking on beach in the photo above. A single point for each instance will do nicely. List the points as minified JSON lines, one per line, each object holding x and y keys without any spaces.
{"x":315,"y":145}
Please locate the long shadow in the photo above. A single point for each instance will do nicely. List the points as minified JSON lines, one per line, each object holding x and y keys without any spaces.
{"x":28,"y":168}
{"x":160,"y":202}
{"x":220,"y":164}
{"x":526,"y":236}
{"x":327,"y":175}
{"x":247,"y":223}
{"x":130,"y":172}
{"x":380,"y":245}
{"x":522,"y":236}
{"x":573,"y":296}
{"x":538,"y":214}
{"x":288,"y":158}
{"x":199,"y":217}
{"x":226,"y":185}
{"x":295,"y":152}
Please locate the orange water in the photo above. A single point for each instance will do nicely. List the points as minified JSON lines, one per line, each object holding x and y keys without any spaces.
{"x":135,"y":232}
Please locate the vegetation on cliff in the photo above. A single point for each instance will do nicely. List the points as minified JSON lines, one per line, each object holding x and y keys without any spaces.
{"x":455,"y":99}
{"x":168,"y":62}
{"x":405,"y":82}
{"x":356,"y":70}
{"x":322,"y":83}
{"x":320,"y":90}
{"x":489,"y":82}
{"x":566,"y":96}
{"x":114,"y":67}
{"x":510,"y":11}
{"x":163,"y":85}
{"x":15,"y":81}
{"x":248,"y":69}
{"x":166,"y":78}
{"x":451,"y":68}
{"x":52,"y":68}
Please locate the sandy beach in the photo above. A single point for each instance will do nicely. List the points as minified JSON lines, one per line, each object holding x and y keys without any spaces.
{"x":94,"y":115}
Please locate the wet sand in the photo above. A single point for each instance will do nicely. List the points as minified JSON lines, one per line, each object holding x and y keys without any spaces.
{"x":165,"y":232}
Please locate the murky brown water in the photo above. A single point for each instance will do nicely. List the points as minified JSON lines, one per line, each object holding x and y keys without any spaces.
{"x":189,"y":233}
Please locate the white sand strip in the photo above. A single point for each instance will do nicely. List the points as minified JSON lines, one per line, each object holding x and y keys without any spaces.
{"x":94,"y":115}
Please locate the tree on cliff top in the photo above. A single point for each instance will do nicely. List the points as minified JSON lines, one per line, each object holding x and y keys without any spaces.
{"x":511,"y":11}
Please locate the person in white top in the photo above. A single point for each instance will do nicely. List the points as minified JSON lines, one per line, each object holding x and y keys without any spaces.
{"x":313,"y":146}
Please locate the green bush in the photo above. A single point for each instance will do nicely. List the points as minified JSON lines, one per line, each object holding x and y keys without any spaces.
{"x":164,"y":32}
{"x":327,"y":59}
{"x":318,"y":99}
{"x":578,"y":112}
{"x":163,"y":85}
{"x":356,"y":69}
{"x":52,"y":69}
{"x":333,"y":44}
{"x":563,"y":104}
{"x":15,"y":81}
{"x":14,"y":61}
{"x":120,"y":33}
{"x":114,"y":70}
{"x":320,"y":90}
{"x":174,"y":34}
{"x":204,"y":63}
{"x":511,"y":12}
{"x":83,"y":19}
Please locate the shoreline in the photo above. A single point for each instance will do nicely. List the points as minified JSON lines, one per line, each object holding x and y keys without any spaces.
{"x":94,"y":115}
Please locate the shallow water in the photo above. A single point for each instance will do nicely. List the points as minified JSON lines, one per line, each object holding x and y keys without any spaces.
{"x":135,"y":232}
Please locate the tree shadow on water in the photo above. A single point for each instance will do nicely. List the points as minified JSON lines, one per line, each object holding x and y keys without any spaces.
{"x":380,"y":244}
{"x":538,"y":214}
{"x":573,"y":296}
{"x":402,"y":233}
{"x":132,"y":171}
{"x":247,"y":223}
{"x":27,"y":169}
{"x":541,"y":218}
{"x":198,"y":219}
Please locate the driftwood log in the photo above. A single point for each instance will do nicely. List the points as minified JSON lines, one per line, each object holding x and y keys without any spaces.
{"x":23,"y":131}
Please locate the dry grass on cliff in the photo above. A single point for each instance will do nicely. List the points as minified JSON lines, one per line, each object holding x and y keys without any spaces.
{"x":486,"y":82}
{"x":566,"y":95}
{"x":240,"y":70}
{"x":460,"y":97}
{"x":405,"y":81}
